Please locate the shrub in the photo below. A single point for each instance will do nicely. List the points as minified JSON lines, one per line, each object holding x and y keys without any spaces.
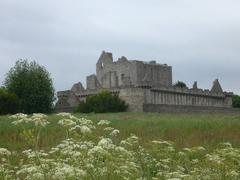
{"x":236,"y":101}
{"x":102,"y":103}
{"x":9,"y":102}
{"x":33,"y":85}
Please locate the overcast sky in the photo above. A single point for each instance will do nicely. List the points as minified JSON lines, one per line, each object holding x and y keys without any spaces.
{"x":200,"y":39}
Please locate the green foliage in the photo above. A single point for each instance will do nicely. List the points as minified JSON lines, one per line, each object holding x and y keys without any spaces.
{"x":185,"y":130}
{"x":236,"y":101}
{"x":95,"y":149}
{"x":33,"y":85}
{"x":9,"y":102}
{"x":180,"y":84}
{"x":102,"y":103}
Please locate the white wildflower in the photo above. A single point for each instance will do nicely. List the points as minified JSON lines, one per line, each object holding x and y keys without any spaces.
{"x":200,"y":148}
{"x":215,"y":158}
{"x":64,"y":114}
{"x":115,"y":132}
{"x":39,"y":115}
{"x":162,"y":143}
{"x":108,"y":129}
{"x":103,"y":122}
{"x":23,"y":120}
{"x":106,"y":143}
{"x":96,"y":150}
{"x":226,"y":145}
{"x":19,"y":116}
{"x":187,"y":150}
{"x":40,"y":120}
{"x":85,"y":130}
{"x":234,"y":174}
{"x":4,"y":152}
{"x":195,"y":161}
{"x":66,"y":123}
{"x":182,"y":154}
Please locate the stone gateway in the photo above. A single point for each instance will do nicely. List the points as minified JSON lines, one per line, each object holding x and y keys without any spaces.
{"x":145,"y":86}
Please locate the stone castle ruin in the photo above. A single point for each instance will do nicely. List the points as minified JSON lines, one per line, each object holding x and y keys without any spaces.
{"x":145,"y":86}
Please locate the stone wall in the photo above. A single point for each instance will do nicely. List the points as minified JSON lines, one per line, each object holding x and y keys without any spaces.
{"x":180,"y":98}
{"x":187,"y":109}
{"x":134,"y":97}
{"x":156,"y":75}
{"x":92,"y":82}
{"x":67,"y":101}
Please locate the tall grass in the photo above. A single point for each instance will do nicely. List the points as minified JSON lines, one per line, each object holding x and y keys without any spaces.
{"x":89,"y":146}
{"x":185,"y":130}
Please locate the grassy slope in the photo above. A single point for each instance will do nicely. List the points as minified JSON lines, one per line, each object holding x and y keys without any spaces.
{"x":185,"y":130}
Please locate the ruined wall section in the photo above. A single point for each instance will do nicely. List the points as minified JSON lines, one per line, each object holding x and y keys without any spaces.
{"x":115,"y":74}
{"x":126,"y":71}
{"x":136,"y":73}
{"x":152,"y":74}
{"x":104,"y":61}
{"x":92,"y":82}
{"x":67,"y":101}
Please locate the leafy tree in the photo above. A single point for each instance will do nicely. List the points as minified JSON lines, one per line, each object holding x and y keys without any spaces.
{"x":180,"y":84}
{"x":236,"y":101}
{"x":102,"y":103}
{"x":9,"y":102}
{"x":33,"y":85}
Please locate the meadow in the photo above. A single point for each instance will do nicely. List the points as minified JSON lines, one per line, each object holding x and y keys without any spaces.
{"x":185,"y":130}
{"x":120,"y":146}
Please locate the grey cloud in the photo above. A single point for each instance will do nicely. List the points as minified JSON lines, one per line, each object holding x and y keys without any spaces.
{"x":200,"y":39}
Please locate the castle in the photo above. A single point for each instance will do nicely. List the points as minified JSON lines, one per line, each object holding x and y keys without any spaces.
{"x":145,"y":86}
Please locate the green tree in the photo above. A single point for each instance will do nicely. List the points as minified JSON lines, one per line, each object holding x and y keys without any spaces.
{"x":102,"y":103}
{"x":236,"y":101}
{"x":9,"y":102}
{"x":180,"y":84}
{"x":33,"y":85}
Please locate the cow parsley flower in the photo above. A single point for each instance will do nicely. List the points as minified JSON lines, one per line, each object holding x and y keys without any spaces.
{"x":103,"y":123}
{"x":96,"y":150}
{"x":166,"y":143}
{"x":108,"y":129}
{"x":67,"y":123}
{"x":106,"y":143}
{"x":85,"y":130}
{"x":21,"y":119}
{"x":115,"y":132}
{"x":40,"y":119}
{"x":4,"y":152}
{"x":64,"y":114}
{"x":19,"y":116}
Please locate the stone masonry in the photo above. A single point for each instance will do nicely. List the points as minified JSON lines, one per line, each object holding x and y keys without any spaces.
{"x":144,"y":86}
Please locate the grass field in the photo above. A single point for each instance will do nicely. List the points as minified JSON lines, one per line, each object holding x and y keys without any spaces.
{"x":185,"y":130}
{"x":142,"y":146}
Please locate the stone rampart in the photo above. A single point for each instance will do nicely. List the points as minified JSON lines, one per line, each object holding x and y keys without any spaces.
{"x":184,"y":96}
{"x":162,"y":108}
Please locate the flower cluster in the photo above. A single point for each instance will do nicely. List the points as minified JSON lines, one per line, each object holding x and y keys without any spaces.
{"x":87,"y":154}
{"x":38,"y":119}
